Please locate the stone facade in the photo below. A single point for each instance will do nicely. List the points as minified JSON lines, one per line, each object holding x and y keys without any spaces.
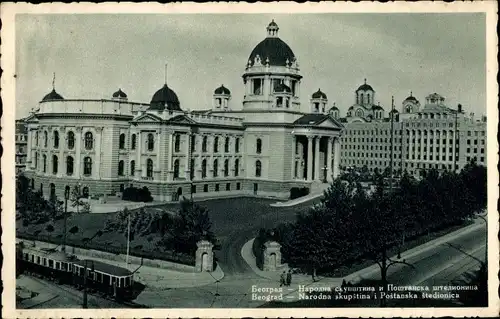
{"x":272,"y":256}
{"x":204,"y":256}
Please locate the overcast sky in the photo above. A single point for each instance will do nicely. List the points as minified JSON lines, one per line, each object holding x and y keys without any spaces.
{"x":94,"y":55}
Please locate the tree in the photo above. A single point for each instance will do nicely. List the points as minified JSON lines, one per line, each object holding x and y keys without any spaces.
{"x":76,"y":198}
{"x":474,"y":177}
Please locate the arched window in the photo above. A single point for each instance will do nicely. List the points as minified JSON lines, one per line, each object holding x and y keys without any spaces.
{"x":71,"y":140}
{"x":204,"y":144}
{"x":149,"y":168}
{"x":87,"y":166}
{"x":122,"y":141}
{"x":55,"y":163}
{"x":226,"y":167}
{"x":132,"y":168}
{"x":226,"y":145}
{"x":237,"y":145}
{"x":258,"y":168}
{"x":121,"y":165}
{"x":191,"y":168}
{"x":236,"y":167}
{"x":259,"y":146}
{"x":89,"y":141}
{"x":193,"y":143}
{"x":44,"y":158}
{"x":36,"y":160}
{"x":204,"y":168}
{"x":361,"y":97}
{"x":133,"y":141}
{"x":45,"y":138}
{"x":359,"y":113}
{"x":151,"y":142}
{"x":176,"y":168}
{"x":56,"y":139}
{"x":69,"y":165}
{"x":216,"y":167}
{"x":177,"y":143}
{"x":36,"y":138}
{"x":216,"y":144}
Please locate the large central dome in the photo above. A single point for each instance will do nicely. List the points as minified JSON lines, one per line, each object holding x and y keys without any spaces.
{"x":165,"y":98}
{"x":272,"y":48}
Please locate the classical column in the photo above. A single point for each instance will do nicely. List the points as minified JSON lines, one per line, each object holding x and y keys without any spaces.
{"x":336,"y":157}
{"x":210,"y":149}
{"x":78,"y":156}
{"x":294,"y":147}
{"x":309,"y":158}
{"x":98,"y":151}
{"x":188,"y":149}
{"x":316,"y":157}
{"x":329,"y":169}
{"x":158,"y":153}
{"x":28,"y":151}
{"x":138,"y":156}
{"x":61,"y":169}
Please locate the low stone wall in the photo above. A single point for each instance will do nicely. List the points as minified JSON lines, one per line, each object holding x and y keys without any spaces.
{"x":115,"y":257}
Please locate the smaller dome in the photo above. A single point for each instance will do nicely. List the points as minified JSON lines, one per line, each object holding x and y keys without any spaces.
{"x":53,"y":95}
{"x":334,"y":108}
{"x":282,"y":88}
{"x":319,"y":95}
{"x":120,"y":94}
{"x":377,"y":107}
{"x":365,"y":87}
{"x":273,"y":24}
{"x":222,"y":90}
{"x":411,"y":98}
{"x":165,"y":98}
{"x":393,"y":111}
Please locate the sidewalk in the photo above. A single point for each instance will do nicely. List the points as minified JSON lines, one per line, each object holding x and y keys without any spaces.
{"x":26,"y":284}
{"x":157,"y":279}
{"x":297,"y":201}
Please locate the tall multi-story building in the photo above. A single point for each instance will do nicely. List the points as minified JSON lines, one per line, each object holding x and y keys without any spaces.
{"x":264,"y":147}
{"x":21,"y":144}
{"x":432,"y":136}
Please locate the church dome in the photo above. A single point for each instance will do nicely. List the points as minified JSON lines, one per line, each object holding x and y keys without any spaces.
{"x":165,"y":98}
{"x":319,"y":95}
{"x":365,"y":87}
{"x":334,"y":108}
{"x":411,"y":98}
{"x":222,"y":90}
{"x":377,"y":107}
{"x":272,"y":49}
{"x":53,"y":95}
{"x":120,"y":94}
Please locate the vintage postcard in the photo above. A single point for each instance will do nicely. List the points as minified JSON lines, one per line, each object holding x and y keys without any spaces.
{"x":258,"y":160}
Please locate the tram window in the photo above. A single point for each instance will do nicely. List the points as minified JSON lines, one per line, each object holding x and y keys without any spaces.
{"x":121,"y":282}
{"x":113,"y":281}
{"x":106,"y":279}
{"x":44,"y":261}
{"x":25,"y":256}
{"x":38,"y":260}
{"x":51,"y":263}
{"x":32,"y":258}
{"x":57,"y":265}
{"x":63,"y":266}
{"x":69,"y":267}
{"x":99,"y":277}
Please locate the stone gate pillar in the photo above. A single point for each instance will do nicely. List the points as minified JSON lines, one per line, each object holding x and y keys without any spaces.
{"x":272,"y":256}
{"x":204,"y":256}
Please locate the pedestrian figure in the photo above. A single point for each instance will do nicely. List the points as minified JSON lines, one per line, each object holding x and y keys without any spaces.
{"x":289,"y":277}
{"x":282,"y":279}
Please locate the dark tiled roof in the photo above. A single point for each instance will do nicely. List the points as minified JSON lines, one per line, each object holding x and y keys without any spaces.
{"x":319,"y":95}
{"x":365,"y":87}
{"x":53,"y":95}
{"x":165,"y":98}
{"x":119,"y":94}
{"x":275,"y":49}
{"x":311,"y":119}
{"x":105,"y":268}
{"x":222,"y":90}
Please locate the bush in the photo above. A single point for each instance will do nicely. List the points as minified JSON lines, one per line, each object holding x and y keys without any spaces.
{"x":296,"y":192}
{"x":137,"y":194}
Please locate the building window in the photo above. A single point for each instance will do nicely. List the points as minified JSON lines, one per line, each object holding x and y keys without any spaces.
{"x":238,"y":186}
{"x":55,"y":163}
{"x":87,"y":166}
{"x":205,"y":188}
{"x":71,"y":140}
{"x":56,"y":139}
{"x":257,"y":87}
{"x":121,"y":165}
{"x":204,"y":168}
{"x":151,"y":142}
{"x":258,"y":146}
{"x":89,"y":141}
{"x":36,"y":138}
{"x":228,"y":186}
{"x":149,"y":168}
{"x":236,"y":166}
{"x":193,"y":143}
{"x":216,"y":187}
{"x":176,"y":168}
{"x":45,"y":139}
{"x":216,"y":144}
{"x":44,"y":157}
{"x":258,"y":168}
{"x":226,"y":145}
{"x":216,"y":167}
{"x":237,"y":145}
{"x":204,"y":144}
{"x":177,"y":143}
{"x":132,"y":168}
{"x":122,"y":141}
{"x":69,"y":165}
{"x":226,"y":168}
{"x":133,"y":141}
{"x":191,"y":168}
{"x":193,"y":189}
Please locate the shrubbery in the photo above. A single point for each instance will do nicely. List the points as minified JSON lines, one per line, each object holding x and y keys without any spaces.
{"x":296,"y":192}
{"x":137,"y":194}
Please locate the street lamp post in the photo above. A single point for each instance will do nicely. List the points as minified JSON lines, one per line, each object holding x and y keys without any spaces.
{"x":66,"y":197}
